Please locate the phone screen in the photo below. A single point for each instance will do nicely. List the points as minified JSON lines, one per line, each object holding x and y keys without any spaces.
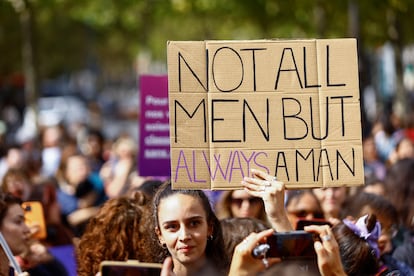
{"x":291,"y":245}
{"x":127,"y":269}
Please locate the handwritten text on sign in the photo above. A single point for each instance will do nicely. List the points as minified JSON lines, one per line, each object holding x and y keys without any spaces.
{"x":290,"y":108}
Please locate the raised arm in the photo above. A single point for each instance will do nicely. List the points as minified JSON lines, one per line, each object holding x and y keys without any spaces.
{"x":264,"y":185}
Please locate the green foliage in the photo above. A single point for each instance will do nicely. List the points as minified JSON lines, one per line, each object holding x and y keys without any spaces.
{"x":69,"y":34}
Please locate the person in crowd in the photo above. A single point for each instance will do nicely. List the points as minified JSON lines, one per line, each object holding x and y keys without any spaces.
{"x":403,"y":149}
{"x":399,"y":184}
{"x":302,"y":204}
{"x":51,"y":139}
{"x":80,"y":192}
{"x":358,"y":242}
{"x":121,"y":230}
{"x":387,"y":134}
{"x":236,"y":229}
{"x":332,"y":200}
{"x":348,"y":248}
{"x":149,"y":188}
{"x":117,"y":171}
{"x":373,"y":186}
{"x":14,"y":159}
{"x":17,"y":182}
{"x":91,"y":146}
{"x":45,"y":191}
{"x":373,"y":166}
{"x":32,"y":256}
{"x":12,"y":224}
{"x":368,"y":203}
{"x":240,"y":204}
{"x":189,"y":229}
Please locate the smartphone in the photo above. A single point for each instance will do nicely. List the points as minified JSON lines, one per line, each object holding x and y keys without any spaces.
{"x":34,"y":218}
{"x":301,"y":223}
{"x":131,"y":267}
{"x":292,"y":245}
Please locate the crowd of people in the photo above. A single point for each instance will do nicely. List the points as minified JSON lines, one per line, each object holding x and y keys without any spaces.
{"x":94,"y":198}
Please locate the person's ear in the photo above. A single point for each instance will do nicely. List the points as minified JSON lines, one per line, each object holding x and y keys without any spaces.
{"x":159,"y":235}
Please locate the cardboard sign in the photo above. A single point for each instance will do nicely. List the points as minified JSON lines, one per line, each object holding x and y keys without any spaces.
{"x":154,"y":144}
{"x":289,"y":107}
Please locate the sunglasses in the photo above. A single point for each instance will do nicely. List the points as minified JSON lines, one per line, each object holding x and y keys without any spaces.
{"x":251,"y":200}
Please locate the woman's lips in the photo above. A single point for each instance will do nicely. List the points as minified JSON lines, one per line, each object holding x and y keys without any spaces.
{"x":185,"y":249}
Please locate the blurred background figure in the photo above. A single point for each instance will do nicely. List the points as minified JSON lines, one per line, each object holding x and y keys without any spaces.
{"x":332,"y":200}
{"x":17,"y":182}
{"x":116,"y":172}
{"x":403,"y":149}
{"x":91,"y":145}
{"x":399,"y":185}
{"x":302,"y":204}
{"x":240,"y":204}
{"x":52,"y":138}
{"x":79,"y":193}
{"x":373,"y":166}
{"x":14,"y":159}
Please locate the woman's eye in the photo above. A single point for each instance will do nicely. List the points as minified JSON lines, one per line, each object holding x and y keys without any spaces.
{"x":171,"y":227}
{"x":195,"y":223}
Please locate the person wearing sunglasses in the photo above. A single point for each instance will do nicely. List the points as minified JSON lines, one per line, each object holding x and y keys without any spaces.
{"x":302,"y":205}
{"x":240,"y":204}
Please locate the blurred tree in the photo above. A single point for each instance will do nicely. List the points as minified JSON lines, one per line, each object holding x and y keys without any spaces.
{"x":108,"y":34}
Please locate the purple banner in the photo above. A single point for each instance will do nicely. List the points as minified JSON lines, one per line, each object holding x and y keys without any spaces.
{"x":154,"y":151}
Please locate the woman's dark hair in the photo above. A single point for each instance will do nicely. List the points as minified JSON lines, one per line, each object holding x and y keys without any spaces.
{"x":357,"y":256}
{"x":215,"y":252}
{"x":236,"y":229}
{"x":399,"y":185}
{"x":378,"y":204}
{"x":6,"y":200}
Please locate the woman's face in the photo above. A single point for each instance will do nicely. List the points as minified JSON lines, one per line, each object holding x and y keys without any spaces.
{"x":183,"y":227}
{"x":77,"y":170}
{"x":243,"y":205}
{"x":18,"y":186}
{"x":304,"y":206}
{"x":331,"y":200}
{"x":15,"y":230}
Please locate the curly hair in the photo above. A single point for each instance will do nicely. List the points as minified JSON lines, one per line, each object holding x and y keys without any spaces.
{"x":120,"y":231}
{"x":214,"y":251}
{"x":7,"y":200}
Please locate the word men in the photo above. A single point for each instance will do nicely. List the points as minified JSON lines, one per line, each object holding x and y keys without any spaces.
{"x":290,"y":107}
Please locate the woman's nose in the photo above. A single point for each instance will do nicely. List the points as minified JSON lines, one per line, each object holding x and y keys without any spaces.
{"x":184,"y":233}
